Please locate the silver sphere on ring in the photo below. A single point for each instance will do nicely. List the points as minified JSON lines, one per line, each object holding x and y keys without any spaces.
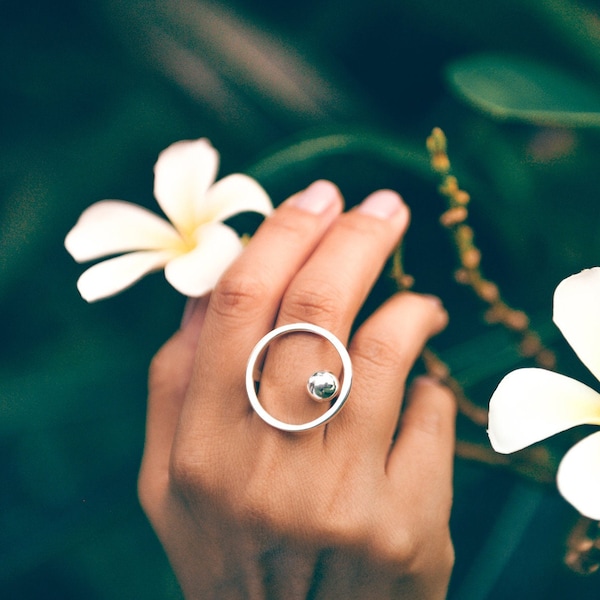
{"x":323,"y":386}
{"x":342,"y":387}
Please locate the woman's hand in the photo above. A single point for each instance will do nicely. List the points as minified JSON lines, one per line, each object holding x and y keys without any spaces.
{"x":358,"y":508}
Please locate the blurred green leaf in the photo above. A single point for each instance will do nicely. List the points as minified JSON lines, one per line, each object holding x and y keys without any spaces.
{"x":574,"y":26}
{"x":521,"y":89}
{"x":390,"y":150}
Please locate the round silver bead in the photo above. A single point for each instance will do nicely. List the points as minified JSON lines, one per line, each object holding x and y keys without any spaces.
{"x":323,"y":386}
{"x":253,"y":376}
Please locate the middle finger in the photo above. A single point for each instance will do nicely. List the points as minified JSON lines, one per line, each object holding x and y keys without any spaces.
{"x":329,"y":291}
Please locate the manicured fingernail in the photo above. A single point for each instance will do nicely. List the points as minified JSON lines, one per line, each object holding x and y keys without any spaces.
{"x":317,"y":197}
{"x":382,"y":204}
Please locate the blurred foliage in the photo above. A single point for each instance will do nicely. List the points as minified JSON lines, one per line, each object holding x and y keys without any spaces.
{"x":513,"y":88}
{"x":289,"y":92}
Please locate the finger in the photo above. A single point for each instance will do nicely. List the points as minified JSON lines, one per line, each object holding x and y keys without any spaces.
{"x":423,"y":455}
{"x":329,"y":291}
{"x":244,"y":303}
{"x":170,"y":374}
{"x":383,"y":351}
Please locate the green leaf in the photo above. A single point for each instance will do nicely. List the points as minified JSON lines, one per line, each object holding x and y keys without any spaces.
{"x":396,"y":152}
{"x":515,"y":88}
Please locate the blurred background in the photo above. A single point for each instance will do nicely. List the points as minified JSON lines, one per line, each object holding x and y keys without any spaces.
{"x":91,"y":92}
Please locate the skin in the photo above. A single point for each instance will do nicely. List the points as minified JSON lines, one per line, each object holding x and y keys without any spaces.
{"x":358,"y":508}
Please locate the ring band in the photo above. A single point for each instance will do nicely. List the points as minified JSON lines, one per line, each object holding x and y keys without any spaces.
{"x":253,"y":375}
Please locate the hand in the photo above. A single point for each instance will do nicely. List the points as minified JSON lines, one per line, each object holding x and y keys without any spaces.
{"x":358,"y":508}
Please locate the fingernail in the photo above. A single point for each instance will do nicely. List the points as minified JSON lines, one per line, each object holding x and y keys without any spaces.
{"x":435,"y":300}
{"x":382,"y":204}
{"x":317,"y":197}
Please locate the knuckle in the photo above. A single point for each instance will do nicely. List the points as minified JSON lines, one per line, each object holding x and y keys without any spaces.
{"x":353,"y":225}
{"x":152,"y":485}
{"x":201,"y":473}
{"x":398,"y":549}
{"x":342,"y":521}
{"x":170,"y":368}
{"x":182,"y":472}
{"x":448,"y":557}
{"x":313,"y":301}
{"x":236,"y":294}
{"x":405,"y":552}
{"x":296,"y":506}
{"x":187,"y":476}
{"x":264,"y":511}
{"x":260,"y":509}
{"x":350,"y":531}
{"x":146,"y":491}
{"x":269,"y":495}
{"x":380,"y":351}
{"x":160,"y":367}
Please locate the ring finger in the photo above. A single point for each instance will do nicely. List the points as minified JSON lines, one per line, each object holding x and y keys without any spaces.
{"x":383,"y":351}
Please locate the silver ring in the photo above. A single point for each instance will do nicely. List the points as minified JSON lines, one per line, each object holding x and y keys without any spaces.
{"x":253,"y":375}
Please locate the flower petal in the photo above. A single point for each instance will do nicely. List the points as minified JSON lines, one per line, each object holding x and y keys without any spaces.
{"x":578,"y":476}
{"x":113,"y":276}
{"x":182,"y":175}
{"x":577,"y":315}
{"x":232,"y":195}
{"x":530,"y":405}
{"x":197,"y":272}
{"x":113,"y":226}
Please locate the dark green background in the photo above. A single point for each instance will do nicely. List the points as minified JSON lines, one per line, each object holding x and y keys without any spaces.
{"x":92,"y":91}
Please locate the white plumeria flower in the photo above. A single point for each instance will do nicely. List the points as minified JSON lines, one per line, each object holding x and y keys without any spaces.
{"x":530,"y":405}
{"x":195,"y":248}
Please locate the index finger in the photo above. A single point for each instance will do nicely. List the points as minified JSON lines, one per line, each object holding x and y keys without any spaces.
{"x":244,"y":304}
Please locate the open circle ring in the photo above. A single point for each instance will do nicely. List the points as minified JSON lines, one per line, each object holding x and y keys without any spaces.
{"x":340,"y":395}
